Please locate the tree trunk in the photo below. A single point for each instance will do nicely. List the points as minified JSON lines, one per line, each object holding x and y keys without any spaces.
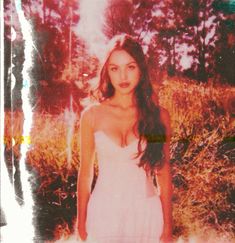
{"x":202,"y":51}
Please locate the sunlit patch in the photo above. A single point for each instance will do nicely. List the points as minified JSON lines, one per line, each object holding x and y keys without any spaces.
{"x":70,"y":118}
{"x":92,"y":11}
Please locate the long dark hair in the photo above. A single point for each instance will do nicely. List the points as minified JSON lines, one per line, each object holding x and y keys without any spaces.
{"x":149,"y":125}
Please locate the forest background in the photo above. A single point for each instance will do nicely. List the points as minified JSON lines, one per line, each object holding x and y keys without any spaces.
{"x":190,"y":51}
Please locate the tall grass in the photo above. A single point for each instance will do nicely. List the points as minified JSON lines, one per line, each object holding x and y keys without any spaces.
{"x":202,"y":156}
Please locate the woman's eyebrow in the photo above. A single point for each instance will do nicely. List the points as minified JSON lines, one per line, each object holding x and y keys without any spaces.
{"x":132,"y":62}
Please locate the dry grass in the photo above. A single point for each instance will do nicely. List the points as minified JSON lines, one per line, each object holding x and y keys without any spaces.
{"x":50,"y":150}
{"x":202,"y":155}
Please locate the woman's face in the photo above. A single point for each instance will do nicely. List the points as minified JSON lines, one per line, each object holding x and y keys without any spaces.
{"x":123,"y":71}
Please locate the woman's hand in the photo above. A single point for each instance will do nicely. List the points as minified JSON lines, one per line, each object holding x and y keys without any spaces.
{"x":166,"y":236}
{"x":82,"y":233}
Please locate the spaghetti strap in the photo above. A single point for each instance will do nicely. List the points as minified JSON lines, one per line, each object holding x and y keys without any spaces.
{"x":93,"y":117}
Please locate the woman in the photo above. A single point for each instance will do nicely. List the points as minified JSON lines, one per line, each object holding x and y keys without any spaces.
{"x":130,"y":135}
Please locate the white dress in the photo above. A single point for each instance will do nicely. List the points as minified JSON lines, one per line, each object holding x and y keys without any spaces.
{"x":124,"y":206}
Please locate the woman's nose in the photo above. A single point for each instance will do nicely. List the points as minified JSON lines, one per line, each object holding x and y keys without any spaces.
{"x":123,"y":74}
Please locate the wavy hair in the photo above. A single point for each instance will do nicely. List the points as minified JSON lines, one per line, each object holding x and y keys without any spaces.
{"x":149,"y":125}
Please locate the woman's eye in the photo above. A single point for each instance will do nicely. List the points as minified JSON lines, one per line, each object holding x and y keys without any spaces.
{"x":113,"y":69}
{"x":131,"y":67}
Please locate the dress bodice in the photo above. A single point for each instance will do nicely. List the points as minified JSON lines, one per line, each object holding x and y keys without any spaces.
{"x":107,"y":149}
{"x":124,"y":206}
{"x":118,"y":168}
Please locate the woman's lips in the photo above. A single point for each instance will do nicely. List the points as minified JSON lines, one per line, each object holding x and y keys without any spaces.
{"x":124,"y":85}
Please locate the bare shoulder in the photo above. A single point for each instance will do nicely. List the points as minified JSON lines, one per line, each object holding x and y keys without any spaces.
{"x":90,"y":109}
{"x":101,"y":108}
{"x":88,"y":114}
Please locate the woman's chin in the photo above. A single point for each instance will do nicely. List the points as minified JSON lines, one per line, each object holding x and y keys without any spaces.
{"x":125,"y":92}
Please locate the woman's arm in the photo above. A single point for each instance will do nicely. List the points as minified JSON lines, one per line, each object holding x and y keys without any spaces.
{"x":165,"y":182}
{"x":85,"y":175}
